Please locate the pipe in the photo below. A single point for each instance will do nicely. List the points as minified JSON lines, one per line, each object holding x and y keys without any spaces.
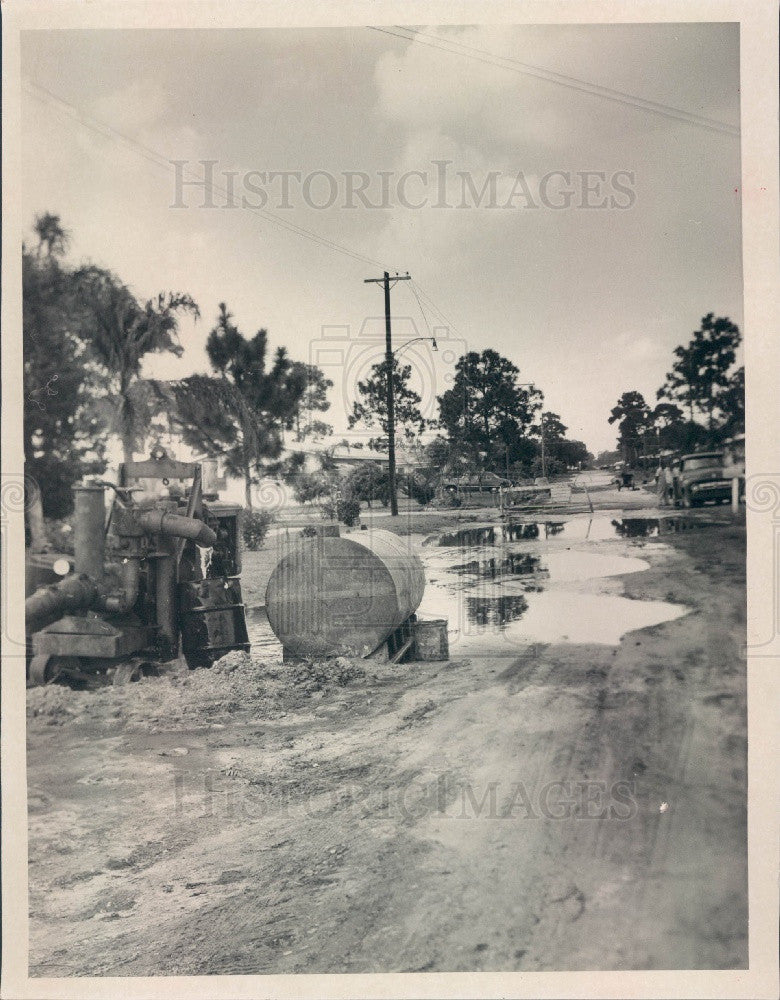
{"x":160,"y":522}
{"x":73,"y":594}
{"x":89,"y":530}
{"x":165,"y":586}
{"x":122,"y":602}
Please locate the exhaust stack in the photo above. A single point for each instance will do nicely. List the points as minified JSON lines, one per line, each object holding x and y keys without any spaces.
{"x":89,"y":530}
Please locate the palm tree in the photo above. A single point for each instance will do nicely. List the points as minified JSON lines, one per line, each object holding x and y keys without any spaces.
{"x":241,"y":411}
{"x":53,"y":238}
{"x":121,"y":333}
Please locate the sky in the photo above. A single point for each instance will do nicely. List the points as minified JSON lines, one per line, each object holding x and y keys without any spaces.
{"x":506,"y":252}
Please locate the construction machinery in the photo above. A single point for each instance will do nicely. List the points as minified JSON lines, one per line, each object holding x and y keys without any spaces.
{"x":159,"y":577}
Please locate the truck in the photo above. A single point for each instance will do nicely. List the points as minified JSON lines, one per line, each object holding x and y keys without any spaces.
{"x":700,"y":478}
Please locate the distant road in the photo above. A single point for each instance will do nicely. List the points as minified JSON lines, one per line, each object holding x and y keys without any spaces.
{"x":593,"y":478}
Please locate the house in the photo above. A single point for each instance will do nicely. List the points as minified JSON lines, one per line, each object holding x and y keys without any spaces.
{"x":347,"y":456}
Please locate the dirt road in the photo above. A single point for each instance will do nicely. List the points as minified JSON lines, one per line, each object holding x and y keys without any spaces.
{"x":561,"y":806}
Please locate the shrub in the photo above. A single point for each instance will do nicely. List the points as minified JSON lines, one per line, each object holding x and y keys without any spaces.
{"x":346,"y":511}
{"x":421,"y":491}
{"x":368,"y":482}
{"x":451,"y":499}
{"x":309,"y":486}
{"x":255,"y":527}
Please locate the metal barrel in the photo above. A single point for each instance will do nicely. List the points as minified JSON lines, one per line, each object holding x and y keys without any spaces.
{"x":330,"y":596}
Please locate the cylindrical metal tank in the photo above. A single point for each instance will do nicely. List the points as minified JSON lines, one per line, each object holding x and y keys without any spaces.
{"x":331,"y":596}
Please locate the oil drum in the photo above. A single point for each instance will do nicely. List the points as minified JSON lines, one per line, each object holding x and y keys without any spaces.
{"x":333,"y":596}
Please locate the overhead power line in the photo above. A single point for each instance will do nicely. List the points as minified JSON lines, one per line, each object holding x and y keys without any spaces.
{"x":442,"y":318}
{"x":422,"y":311}
{"x":456,"y":48}
{"x":69,"y":112}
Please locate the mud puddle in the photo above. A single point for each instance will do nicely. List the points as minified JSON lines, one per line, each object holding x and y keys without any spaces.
{"x":594,"y":529}
{"x":500,"y":589}
{"x":564,"y":566}
{"x":499,"y":594}
{"x":491,"y":625}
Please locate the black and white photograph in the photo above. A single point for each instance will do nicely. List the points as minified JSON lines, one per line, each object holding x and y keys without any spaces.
{"x":379,"y":392}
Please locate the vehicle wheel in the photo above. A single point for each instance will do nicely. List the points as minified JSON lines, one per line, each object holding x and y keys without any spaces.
{"x":127,"y":673}
{"x":46,"y":669}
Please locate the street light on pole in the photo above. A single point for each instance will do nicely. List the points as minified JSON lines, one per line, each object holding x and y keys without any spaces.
{"x":434,"y":345}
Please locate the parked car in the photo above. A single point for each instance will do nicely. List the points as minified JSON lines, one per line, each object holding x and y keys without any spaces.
{"x":527,"y":493}
{"x":700,"y":478}
{"x":485,"y":482}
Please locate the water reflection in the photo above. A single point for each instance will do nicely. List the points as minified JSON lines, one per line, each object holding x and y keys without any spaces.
{"x":636,"y":527}
{"x":646,"y":527}
{"x":598,"y":528}
{"x":520,"y":532}
{"x":495,"y":533}
{"x":495,"y":612}
{"x":468,"y":537}
{"x":511,"y":564}
{"x":497,"y":599}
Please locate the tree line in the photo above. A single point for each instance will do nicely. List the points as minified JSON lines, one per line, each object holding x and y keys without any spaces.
{"x":700,"y":404}
{"x":86,"y":336}
{"x":487,"y":421}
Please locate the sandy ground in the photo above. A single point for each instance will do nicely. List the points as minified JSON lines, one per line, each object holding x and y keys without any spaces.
{"x":565,"y":807}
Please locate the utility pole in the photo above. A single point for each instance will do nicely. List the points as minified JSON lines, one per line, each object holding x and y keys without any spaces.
{"x":390,"y":400}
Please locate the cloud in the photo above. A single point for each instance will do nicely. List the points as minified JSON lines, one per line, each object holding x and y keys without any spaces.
{"x":463,"y":95}
{"x":140,"y":104}
{"x":467,"y":93}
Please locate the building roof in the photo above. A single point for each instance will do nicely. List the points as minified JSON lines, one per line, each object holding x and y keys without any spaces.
{"x":352,"y":454}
